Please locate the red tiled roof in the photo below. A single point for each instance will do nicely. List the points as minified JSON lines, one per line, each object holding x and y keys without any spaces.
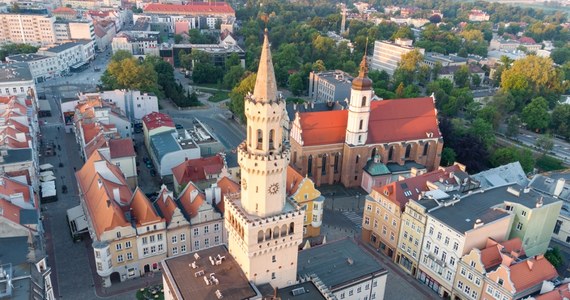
{"x":97,"y":143}
{"x":531,"y":272}
{"x":560,"y":293}
{"x":189,"y":204}
{"x":191,"y":8}
{"x":142,"y":209}
{"x":294,"y":179}
{"x":99,"y":193}
{"x":64,"y":10}
{"x":10,"y":211}
{"x":166,"y":204}
{"x":226,"y":186}
{"x":414,"y":185}
{"x":155,"y":120}
{"x":390,"y":121}
{"x":527,"y":40}
{"x":90,"y":131}
{"x":121,"y":148}
{"x":9,"y":186}
{"x":197,"y":169}
{"x":491,"y":255}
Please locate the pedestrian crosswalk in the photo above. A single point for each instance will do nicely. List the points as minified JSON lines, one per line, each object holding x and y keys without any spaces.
{"x":354,"y":217}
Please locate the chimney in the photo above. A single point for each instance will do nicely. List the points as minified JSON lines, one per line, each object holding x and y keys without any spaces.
{"x":530,"y":263}
{"x":478,"y":223}
{"x":209,"y":195}
{"x":540,"y":202}
{"x":312,"y":104}
{"x":559,"y":187}
{"x":116,"y":195}
{"x":193,"y":195}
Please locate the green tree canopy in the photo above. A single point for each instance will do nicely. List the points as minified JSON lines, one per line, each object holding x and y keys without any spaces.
{"x":535,"y":114}
{"x":237,"y":95}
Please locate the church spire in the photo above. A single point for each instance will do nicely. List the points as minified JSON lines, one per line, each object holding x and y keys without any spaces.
{"x":265,"y":85}
{"x":362,"y":82}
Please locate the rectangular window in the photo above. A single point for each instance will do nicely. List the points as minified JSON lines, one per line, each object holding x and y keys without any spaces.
{"x":446,"y":240}
{"x":216,"y":227}
{"x":216,"y":239}
{"x":183,"y":237}
{"x":460,"y":285}
{"x":152,"y":249}
{"x":128,"y":244}
{"x":439,"y":236}
{"x":159,"y":236}
{"x":145,"y":251}
{"x":183,"y":248}
{"x":174,"y":250}
{"x":129,"y":256}
{"x":436,"y":250}
{"x":519,"y":226}
{"x":99,"y":266}
{"x":206,"y":243}
{"x":369,"y":207}
{"x":455,"y":246}
{"x":152,"y":239}
{"x":273,"y":275}
{"x":366,"y":221}
{"x":120,"y":258}
{"x":196,"y":231}
{"x":206,"y":229}
{"x":196,"y":245}
{"x":174,"y":239}
{"x":119,"y":246}
{"x":160,"y":248}
{"x":145,"y":240}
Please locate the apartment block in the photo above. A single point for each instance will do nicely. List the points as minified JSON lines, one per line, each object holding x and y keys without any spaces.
{"x":329,"y":86}
{"x":41,"y":67}
{"x":137,"y":44}
{"x":556,"y":185}
{"x":387,"y":55}
{"x":70,"y":55}
{"x":67,"y":30}
{"x":133,"y":104}
{"x":34,"y":29}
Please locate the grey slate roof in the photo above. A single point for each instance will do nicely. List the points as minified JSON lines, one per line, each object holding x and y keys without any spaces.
{"x":163,"y":143}
{"x":15,"y":72}
{"x":13,"y":250}
{"x":25,"y":57}
{"x":408,"y":165}
{"x":509,"y":173}
{"x":462,"y":215}
{"x":330,"y":262}
{"x":62,"y":47}
{"x":313,"y":107}
{"x":28,"y":216}
{"x":17,"y":155}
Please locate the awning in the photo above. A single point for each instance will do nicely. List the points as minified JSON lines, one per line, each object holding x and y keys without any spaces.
{"x":46,"y":173}
{"x":44,"y":105}
{"x":48,"y":189}
{"x":77,"y":221}
{"x":47,"y":178}
{"x":46,"y":167}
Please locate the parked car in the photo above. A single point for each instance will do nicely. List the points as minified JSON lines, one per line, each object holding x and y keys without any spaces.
{"x":178,"y":126}
{"x":146,"y":160}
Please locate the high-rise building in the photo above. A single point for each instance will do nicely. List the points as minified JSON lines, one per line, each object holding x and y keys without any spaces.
{"x":34,"y":29}
{"x":388,"y":54}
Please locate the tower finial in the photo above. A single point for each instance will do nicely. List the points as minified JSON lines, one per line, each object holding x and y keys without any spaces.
{"x":265,"y":84}
{"x":364,"y":64}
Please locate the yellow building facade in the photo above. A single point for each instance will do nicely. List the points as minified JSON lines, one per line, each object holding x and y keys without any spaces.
{"x":303,"y":191}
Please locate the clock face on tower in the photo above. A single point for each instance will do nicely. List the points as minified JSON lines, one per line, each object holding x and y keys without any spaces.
{"x":243,"y":184}
{"x":273,"y":189}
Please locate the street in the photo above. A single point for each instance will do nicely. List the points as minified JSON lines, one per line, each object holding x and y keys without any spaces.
{"x":561,"y":148}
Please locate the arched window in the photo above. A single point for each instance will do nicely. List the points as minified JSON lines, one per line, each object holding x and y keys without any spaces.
{"x":284,"y":230}
{"x":291,"y":228}
{"x":276,"y":232}
{"x":426,"y":148}
{"x":260,"y":236}
{"x":360,"y":125}
{"x":363,"y":101}
{"x":373,"y":153}
{"x":267,"y":234}
{"x":259,"y":139}
{"x":336,"y":161}
{"x":271,"y":137}
{"x":324,"y":166}
{"x":391,"y":153}
{"x":357,"y":159}
{"x":310,"y":166}
{"x":408,"y":151}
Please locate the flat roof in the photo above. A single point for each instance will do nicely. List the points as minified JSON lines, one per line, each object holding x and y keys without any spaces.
{"x":303,"y":291}
{"x":479,"y":205}
{"x":232,"y":282}
{"x":14,"y":250}
{"x":164,"y":143}
{"x":25,"y":57}
{"x":17,"y":155}
{"x":15,"y":72}
{"x":62,"y":47}
{"x":338,"y":262}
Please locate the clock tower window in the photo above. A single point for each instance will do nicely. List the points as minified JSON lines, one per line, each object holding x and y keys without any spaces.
{"x":363,"y":101}
{"x":271,"y":138}
{"x":259,"y":139}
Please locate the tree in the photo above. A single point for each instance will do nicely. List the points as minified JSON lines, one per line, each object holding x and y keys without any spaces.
{"x":403,"y":32}
{"x":400,"y":90}
{"x":513,"y":123}
{"x":129,"y":73}
{"x":237,"y":95}
{"x":12,"y":49}
{"x":121,"y":55}
{"x":461,"y":76}
{"x":560,"y":122}
{"x":185,"y":60}
{"x":535,"y":114}
{"x":206,"y":73}
{"x":554,"y":257}
{"x":177,"y":38}
{"x":319,"y":66}
{"x":483,"y":130}
{"x":448,"y":156}
{"x":233,"y":76}
{"x":434,"y":19}
{"x":476,"y":80}
{"x":233,"y":60}
{"x":544,"y":142}
{"x":296,"y":84}
{"x":506,"y":155}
